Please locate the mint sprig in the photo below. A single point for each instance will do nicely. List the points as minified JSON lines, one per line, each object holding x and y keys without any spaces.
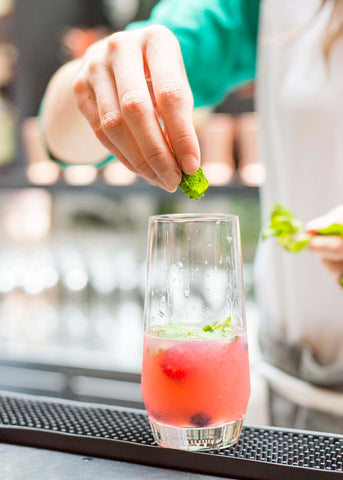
{"x":333,"y":229}
{"x":215,"y":326}
{"x":194,"y":185}
{"x":193,"y":332}
{"x":291,"y":233}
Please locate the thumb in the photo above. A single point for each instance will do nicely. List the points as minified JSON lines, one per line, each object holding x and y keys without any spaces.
{"x":317,"y":224}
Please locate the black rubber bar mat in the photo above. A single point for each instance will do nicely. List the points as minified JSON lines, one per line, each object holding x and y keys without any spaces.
{"x":124,"y":434}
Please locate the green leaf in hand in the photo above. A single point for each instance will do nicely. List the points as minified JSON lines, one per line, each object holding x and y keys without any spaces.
{"x":333,"y":229}
{"x":288,"y":228}
{"x":194,"y":185}
{"x":294,"y":242}
{"x":291,"y":232}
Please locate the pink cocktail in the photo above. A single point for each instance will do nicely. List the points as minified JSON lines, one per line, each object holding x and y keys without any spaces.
{"x":195,"y":376}
{"x":195,"y":382}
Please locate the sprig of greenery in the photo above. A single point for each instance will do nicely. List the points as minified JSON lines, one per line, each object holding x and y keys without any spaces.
{"x":287,"y":228}
{"x":215,"y":326}
{"x":193,"y":332}
{"x":194,"y":185}
{"x":290,"y":231}
{"x":333,"y":229}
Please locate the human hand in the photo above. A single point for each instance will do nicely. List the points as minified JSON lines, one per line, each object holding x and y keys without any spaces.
{"x":329,"y":247}
{"x":128,"y":81}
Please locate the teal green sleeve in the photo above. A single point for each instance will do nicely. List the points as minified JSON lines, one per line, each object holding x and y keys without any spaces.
{"x":218,"y":41}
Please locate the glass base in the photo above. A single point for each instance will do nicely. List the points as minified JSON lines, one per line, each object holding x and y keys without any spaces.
{"x":193,"y":439}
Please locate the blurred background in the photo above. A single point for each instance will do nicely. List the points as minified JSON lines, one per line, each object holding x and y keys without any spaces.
{"x":73,"y":242}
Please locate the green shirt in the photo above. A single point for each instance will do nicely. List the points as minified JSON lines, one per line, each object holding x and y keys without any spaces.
{"x":218,"y":41}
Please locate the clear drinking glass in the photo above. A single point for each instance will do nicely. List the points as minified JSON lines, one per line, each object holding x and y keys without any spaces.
{"x":195,"y":376}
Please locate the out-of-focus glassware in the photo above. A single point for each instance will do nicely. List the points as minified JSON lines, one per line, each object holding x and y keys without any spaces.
{"x":195,"y":376}
{"x":6,"y":8}
{"x":120,"y":12}
{"x":27,"y":217}
{"x":8,"y":58}
{"x":216,"y":138}
{"x":251,"y":169}
{"x":80,"y":174}
{"x":40,"y":169}
{"x":7,"y":131}
{"x":117,"y":174}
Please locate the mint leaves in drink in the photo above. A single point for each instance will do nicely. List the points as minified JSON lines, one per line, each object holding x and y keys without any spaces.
{"x":193,"y":332}
{"x":223,"y":327}
{"x":194,"y":185}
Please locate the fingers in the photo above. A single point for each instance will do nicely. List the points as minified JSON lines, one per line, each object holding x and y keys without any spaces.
{"x":334,"y":267}
{"x":127,"y":81}
{"x":113,"y":125}
{"x":333,"y":216}
{"x":316,"y":224}
{"x":86,"y":102}
{"x":173,"y":96}
{"x":138,"y":112}
{"x":329,"y":248}
{"x":330,"y":251}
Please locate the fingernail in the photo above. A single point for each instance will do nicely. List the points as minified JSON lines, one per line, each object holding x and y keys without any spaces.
{"x":172,"y":180}
{"x":190,"y":164}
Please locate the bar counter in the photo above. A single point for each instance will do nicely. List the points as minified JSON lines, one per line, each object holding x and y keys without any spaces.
{"x":60,"y":439}
{"x":26,"y":463}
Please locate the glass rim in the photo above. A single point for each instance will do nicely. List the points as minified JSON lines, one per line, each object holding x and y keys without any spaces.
{"x":194,"y":217}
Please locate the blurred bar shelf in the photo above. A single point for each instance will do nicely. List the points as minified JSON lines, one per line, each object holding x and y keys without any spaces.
{"x":14,"y":177}
{"x":7,"y":23}
{"x":84,"y":379}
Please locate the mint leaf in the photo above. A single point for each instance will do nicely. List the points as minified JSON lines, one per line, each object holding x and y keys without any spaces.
{"x":269,"y":232}
{"x":190,"y":332}
{"x":208,"y":328}
{"x":294,"y":242}
{"x":194,"y":185}
{"x":333,"y":229}
{"x":289,"y":229}
{"x":226,"y":326}
{"x":227,"y":323}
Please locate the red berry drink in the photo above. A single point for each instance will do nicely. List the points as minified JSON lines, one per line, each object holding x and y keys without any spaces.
{"x":196,"y":378}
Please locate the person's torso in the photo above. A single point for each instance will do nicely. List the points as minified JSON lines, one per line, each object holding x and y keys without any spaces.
{"x":300,"y":101}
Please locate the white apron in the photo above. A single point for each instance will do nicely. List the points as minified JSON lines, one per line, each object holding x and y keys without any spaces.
{"x":300,"y":102}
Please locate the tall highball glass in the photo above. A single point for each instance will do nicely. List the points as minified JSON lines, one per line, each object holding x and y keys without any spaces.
{"x":195,"y":375}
